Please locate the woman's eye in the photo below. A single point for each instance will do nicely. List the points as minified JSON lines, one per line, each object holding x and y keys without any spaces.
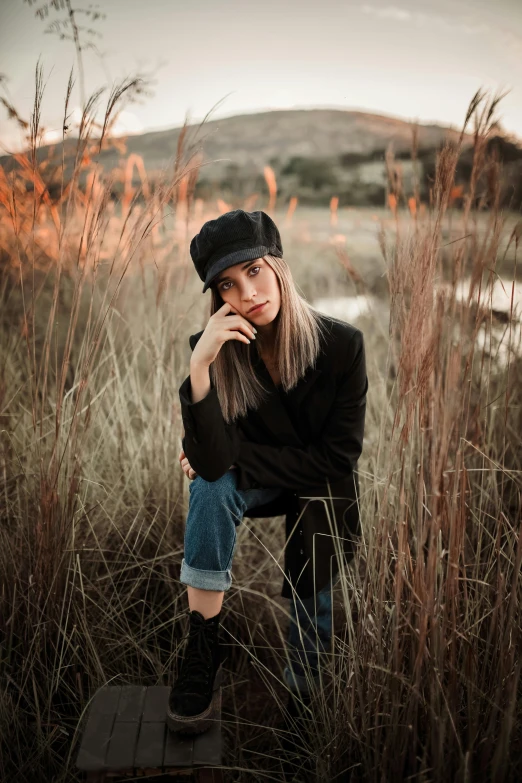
{"x":229,"y":281}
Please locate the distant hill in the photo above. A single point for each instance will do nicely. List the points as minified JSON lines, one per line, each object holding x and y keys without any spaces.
{"x":254,"y":139}
{"x":315,"y":153}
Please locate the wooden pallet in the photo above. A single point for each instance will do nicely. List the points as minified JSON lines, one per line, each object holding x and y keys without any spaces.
{"x":126,"y":736}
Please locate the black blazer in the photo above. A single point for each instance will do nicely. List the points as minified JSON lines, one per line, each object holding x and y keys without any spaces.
{"x":268,"y":449}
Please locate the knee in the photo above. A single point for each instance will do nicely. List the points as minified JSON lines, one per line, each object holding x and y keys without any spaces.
{"x":220,"y":496}
{"x":222,"y":488}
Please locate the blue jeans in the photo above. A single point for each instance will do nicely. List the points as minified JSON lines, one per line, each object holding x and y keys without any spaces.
{"x":216,"y":508}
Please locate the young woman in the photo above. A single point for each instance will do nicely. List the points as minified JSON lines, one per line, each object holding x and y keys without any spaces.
{"x":273,"y":411}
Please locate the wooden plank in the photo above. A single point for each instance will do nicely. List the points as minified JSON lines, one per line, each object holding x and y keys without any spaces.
{"x":155,"y":705}
{"x":97,"y":731}
{"x":151,"y":745}
{"x":208,"y":746}
{"x":130,"y":706}
{"x":178,"y":750}
{"x":95,"y":741}
{"x":122,"y":746}
{"x":106,"y":700}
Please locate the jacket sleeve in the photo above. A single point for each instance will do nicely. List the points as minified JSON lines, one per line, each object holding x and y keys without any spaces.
{"x":210,"y":444}
{"x":335,"y":453}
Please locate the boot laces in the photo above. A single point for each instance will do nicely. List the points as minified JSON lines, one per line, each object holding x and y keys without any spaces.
{"x":198,"y":651}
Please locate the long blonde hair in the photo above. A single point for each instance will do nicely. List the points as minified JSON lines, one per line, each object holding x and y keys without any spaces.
{"x":296,"y":347}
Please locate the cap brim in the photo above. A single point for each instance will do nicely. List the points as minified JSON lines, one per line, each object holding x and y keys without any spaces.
{"x":246,"y":254}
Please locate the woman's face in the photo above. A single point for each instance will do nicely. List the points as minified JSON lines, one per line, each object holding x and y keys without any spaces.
{"x":251,"y":283}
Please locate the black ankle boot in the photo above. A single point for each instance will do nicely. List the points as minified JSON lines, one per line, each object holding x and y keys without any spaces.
{"x":195,"y":698}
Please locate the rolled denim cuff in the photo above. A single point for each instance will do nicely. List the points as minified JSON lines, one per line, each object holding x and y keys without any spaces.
{"x":205,"y":580}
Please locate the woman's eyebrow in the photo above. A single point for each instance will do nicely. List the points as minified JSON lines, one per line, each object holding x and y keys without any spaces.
{"x":245,"y":266}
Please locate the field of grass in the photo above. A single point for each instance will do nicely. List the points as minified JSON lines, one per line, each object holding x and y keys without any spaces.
{"x":97,"y":300}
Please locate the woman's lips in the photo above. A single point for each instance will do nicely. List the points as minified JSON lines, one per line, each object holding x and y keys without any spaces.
{"x":257,"y":309}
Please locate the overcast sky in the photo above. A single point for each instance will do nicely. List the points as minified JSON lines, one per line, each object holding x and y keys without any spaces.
{"x":415,"y":59}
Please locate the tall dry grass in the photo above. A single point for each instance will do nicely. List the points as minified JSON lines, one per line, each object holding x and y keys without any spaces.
{"x":97,"y":302}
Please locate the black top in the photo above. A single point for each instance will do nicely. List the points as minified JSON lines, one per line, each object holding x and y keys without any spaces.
{"x":286,"y":402}
{"x":289,"y":407}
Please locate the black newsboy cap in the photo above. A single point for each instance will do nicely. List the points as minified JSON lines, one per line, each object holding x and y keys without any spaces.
{"x":231,"y":238}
